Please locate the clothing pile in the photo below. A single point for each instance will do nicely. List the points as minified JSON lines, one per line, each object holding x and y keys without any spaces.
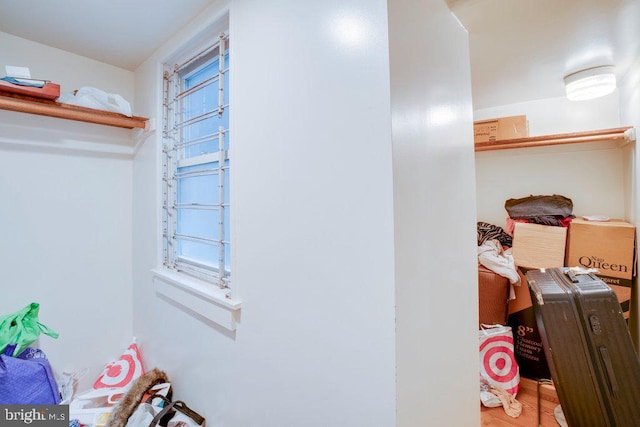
{"x":488,"y":231}
{"x":555,"y":210}
{"x":494,"y":252}
{"x":494,"y":243}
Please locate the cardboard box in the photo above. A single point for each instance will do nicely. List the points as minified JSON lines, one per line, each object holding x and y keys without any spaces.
{"x":608,"y":246}
{"x":512,"y":127}
{"x":539,"y":246}
{"x":527,"y":342}
{"x":534,"y":246}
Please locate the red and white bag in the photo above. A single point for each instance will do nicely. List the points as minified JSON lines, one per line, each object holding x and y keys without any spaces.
{"x":498,"y":364}
{"x":123,"y":372}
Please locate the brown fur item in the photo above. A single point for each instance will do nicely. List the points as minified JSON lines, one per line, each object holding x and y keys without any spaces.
{"x":132,"y":399}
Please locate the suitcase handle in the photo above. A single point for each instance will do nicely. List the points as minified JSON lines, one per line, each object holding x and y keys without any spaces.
{"x":611,"y":376}
{"x":572,"y":276}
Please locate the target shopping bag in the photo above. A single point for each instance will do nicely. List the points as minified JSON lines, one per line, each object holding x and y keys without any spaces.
{"x":497,"y":361}
{"x":123,"y":372}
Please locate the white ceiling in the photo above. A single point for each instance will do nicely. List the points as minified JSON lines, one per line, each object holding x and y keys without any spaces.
{"x":119,"y":32}
{"x":522,"y":49}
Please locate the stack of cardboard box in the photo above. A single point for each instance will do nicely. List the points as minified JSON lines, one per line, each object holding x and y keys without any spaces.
{"x":608,"y":246}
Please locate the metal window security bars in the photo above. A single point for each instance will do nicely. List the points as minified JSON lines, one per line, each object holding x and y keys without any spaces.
{"x":181,"y":167}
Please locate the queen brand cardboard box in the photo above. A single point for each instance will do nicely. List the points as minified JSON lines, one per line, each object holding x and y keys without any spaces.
{"x":608,"y":246}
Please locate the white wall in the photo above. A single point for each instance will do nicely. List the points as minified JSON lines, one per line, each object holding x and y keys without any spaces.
{"x":69,"y":70}
{"x":312,"y":225}
{"x":591,"y":175}
{"x":559,"y":115}
{"x":629,"y":85}
{"x":66,"y":208}
{"x":434,"y":199}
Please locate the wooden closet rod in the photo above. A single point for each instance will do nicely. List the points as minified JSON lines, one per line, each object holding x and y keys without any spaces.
{"x":556,"y":139}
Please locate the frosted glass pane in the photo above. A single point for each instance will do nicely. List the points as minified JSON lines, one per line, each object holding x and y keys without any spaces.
{"x":198,"y":189}
{"x":199,"y":103}
{"x":197,"y":251}
{"x":199,"y":223}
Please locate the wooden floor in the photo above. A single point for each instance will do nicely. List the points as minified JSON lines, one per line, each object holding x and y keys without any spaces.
{"x":496,"y":417}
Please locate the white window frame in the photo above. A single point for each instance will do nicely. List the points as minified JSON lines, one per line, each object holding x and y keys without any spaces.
{"x":173,"y":147}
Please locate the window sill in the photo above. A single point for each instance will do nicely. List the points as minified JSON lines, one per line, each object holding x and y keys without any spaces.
{"x":199,"y":297}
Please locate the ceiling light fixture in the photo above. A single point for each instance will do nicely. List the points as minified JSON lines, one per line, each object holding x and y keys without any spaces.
{"x":590,"y":83}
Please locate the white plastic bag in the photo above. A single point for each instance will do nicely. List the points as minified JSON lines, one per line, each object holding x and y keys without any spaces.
{"x":143,"y":415}
{"x":67,"y":385}
{"x":98,"y":398}
{"x":94,"y":405}
{"x":487,"y":398}
{"x":183,"y":420}
{"x":90,"y":97}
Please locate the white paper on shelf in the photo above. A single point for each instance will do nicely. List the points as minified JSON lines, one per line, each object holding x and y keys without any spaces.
{"x":600,"y":218}
{"x":18,"y":72}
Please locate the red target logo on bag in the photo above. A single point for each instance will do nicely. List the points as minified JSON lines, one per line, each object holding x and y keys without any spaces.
{"x":497,"y":360}
{"x":122,"y":372}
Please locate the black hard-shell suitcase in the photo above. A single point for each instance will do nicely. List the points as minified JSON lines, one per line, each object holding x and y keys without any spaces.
{"x":593,"y":363}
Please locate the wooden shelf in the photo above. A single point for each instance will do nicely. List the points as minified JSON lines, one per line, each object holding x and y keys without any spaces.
{"x":43,"y":107}
{"x":622,"y":134}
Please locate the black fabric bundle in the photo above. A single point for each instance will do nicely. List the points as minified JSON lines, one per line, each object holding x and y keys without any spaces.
{"x":545,"y":210}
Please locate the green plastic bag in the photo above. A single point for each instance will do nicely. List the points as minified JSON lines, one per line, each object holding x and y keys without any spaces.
{"x":22,"y":328}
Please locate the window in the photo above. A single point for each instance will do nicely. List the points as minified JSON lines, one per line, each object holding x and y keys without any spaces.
{"x":196,"y":165}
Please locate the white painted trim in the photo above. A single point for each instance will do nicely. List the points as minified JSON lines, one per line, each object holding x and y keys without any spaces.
{"x":630,"y":135}
{"x":203,"y":298}
{"x":199,"y":160}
